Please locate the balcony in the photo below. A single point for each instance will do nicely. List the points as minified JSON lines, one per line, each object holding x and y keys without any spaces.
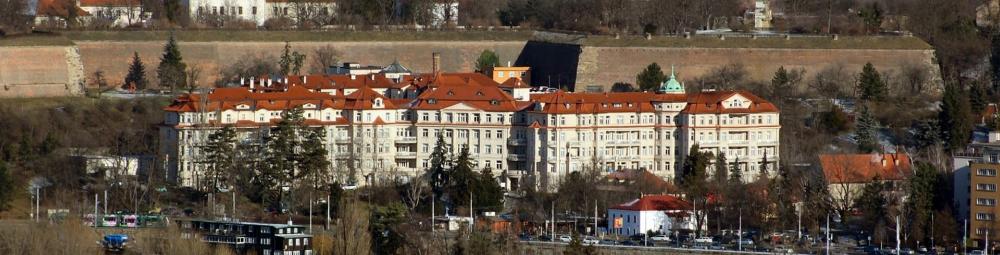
{"x":516,"y":157}
{"x":406,"y":139}
{"x":406,"y":154}
{"x":343,"y":140}
{"x":738,"y":142}
{"x":516,"y":141}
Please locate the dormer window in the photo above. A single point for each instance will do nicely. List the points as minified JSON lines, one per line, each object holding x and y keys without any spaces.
{"x":616,"y":105}
{"x":566,"y":105}
{"x":479,"y":93}
{"x":451,"y":93}
{"x":377,"y":102}
{"x":494,"y":102}
{"x":432,"y":101}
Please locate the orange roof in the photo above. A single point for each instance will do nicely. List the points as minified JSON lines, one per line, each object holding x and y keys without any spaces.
{"x":364,"y":99}
{"x":514,"y":83}
{"x":711,"y":102}
{"x":655,"y":203}
{"x":229,"y":98}
{"x":101,"y":3}
{"x":55,"y":8}
{"x":862,"y":168}
{"x":486,"y":98}
{"x":564,"y":102}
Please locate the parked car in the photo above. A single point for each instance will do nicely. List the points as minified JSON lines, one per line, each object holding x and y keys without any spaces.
{"x":746,"y":242}
{"x":660,"y":238}
{"x":590,"y":240}
{"x":703,"y":239}
{"x":544,"y":238}
{"x":565,"y":238}
{"x":607,"y":242}
{"x":629,"y":243}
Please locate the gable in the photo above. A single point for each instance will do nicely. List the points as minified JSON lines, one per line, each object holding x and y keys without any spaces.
{"x":736,"y":101}
{"x":462,"y":106}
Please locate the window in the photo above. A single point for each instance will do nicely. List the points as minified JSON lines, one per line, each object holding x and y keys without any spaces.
{"x":500,"y":74}
{"x":984,"y":216}
{"x":240,"y":10}
{"x":253,"y":10}
{"x":986,"y":172}
{"x":986,"y":201}
{"x":986,"y":186}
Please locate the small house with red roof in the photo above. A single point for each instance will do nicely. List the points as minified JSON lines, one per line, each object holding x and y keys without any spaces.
{"x":847,"y":174}
{"x":651,"y":213}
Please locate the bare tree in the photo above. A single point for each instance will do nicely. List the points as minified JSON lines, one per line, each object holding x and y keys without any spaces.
{"x":13,"y":16}
{"x":323,"y":58}
{"x":415,"y":191}
{"x":844,"y":183}
{"x":351,"y":231}
{"x":193,"y":73}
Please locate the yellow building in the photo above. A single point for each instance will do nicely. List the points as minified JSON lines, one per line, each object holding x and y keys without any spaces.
{"x":500,"y":74}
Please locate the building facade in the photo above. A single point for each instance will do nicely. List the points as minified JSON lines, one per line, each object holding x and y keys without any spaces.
{"x":383,"y":128}
{"x":250,"y":237}
{"x":652,"y":213}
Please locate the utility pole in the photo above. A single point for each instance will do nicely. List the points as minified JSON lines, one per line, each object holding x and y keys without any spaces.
{"x":595,"y":217}
{"x":432,"y":212}
{"x":310,"y":214}
{"x":472,"y":217}
{"x":328,"y":212}
{"x":739,"y":234}
{"x":105,"y":201}
{"x":553,"y":221}
{"x":897,"y":235}
{"x":827,"y":233}
{"x":965,"y":235}
{"x":96,"y":200}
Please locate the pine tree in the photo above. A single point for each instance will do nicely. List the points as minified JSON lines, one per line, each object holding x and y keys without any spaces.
{"x":438,"y":172}
{"x":171,"y":69}
{"x":7,"y":188}
{"x":487,"y":61}
{"x":136,"y":74}
{"x":282,"y":142}
{"x":921,"y":189}
{"x":220,"y":153}
{"x":291,"y":61}
{"x":735,"y":174}
{"x":978,"y":98}
{"x":488,"y":195}
{"x":995,"y":58}
{"x":313,"y":161}
{"x":650,"y":78}
{"x":764,"y":164}
{"x":866,"y":131}
{"x":461,"y":179}
{"x":576,"y":246}
{"x":721,"y":169}
{"x":781,"y":83}
{"x":955,"y":117}
{"x":870,"y":84}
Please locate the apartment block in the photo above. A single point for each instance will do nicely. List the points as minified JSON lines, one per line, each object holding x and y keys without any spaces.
{"x":385,"y":129}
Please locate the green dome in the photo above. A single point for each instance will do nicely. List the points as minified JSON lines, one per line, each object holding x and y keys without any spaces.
{"x":671,"y":85}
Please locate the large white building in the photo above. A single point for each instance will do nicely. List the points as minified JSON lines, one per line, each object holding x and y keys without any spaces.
{"x":259,"y":11}
{"x":387,"y":128}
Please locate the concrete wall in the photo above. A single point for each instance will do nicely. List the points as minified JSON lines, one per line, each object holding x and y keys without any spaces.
{"x":46,"y":71}
{"x":606,"y":65}
{"x":542,"y":248}
{"x":113,"y":57}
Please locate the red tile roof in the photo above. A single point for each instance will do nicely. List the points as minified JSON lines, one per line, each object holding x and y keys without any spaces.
{"x":564,"y":102}
{"x":102,"y":3}
{"x":862,"y":168}
{"x":515,"y":83}
{"x":710,"y":102}
{"x":655,"y":203}
{"x":230,"y":98}
{"x":486,"y":98}
{"x":54,"y":8}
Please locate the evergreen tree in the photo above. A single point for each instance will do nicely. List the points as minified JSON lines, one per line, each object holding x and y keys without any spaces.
{"x":487,"y":194}
{"x":834,"y":121}
{"x":955,"y":117}
{"x":171,"y":69}
{"x":220,"y":153}
{"x":694,"y":181}
{"x":870,"y":84}
{"x":291,"y":61}
{"x":764,"y":164}
{"x":486,"y":61}
{"x":866,"y":131}
{"x":282,"y":142}
{"x":995,"y":58}
{"x":721,"y":174}
{"x":313,"y":161}
{"x":781,"y":84}
{"x":872,"y":202}
{"x":438,"y":171}
{"x":136,"y":74}
{"x":386,"y":238}
{"x":461,"y":179}
{"x":921,"y":188}
{"x":735,"y":174}
{"x":978,"y":98}
{"x":7,"y":188}
{"x":650,"y":78}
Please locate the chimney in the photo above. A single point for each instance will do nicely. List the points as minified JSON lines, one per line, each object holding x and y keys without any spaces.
{"x":251,"y":83}
{"x":243,"y":81}
{"x":436,"y":64}
{"x":508,"y":63}
{"x":353,"y":77}
{"x":304,"y":79}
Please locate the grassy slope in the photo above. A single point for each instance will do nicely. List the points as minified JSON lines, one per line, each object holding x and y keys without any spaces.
{"x":35,"y":40}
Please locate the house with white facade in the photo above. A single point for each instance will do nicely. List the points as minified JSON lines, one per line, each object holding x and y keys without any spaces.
{"x":652,"y":213}
{"x":116,"y":13}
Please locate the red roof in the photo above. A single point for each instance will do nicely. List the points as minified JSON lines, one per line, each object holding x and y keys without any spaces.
{"x":712,"y":102}
{"x":862,"y":168}
{"x":655,"y":203}
{"x":514,"y":83}
{"x":230,"y":98}
{"x":102,"y":3}
{"x":564,"y":102}
{"x":55,"y":8}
